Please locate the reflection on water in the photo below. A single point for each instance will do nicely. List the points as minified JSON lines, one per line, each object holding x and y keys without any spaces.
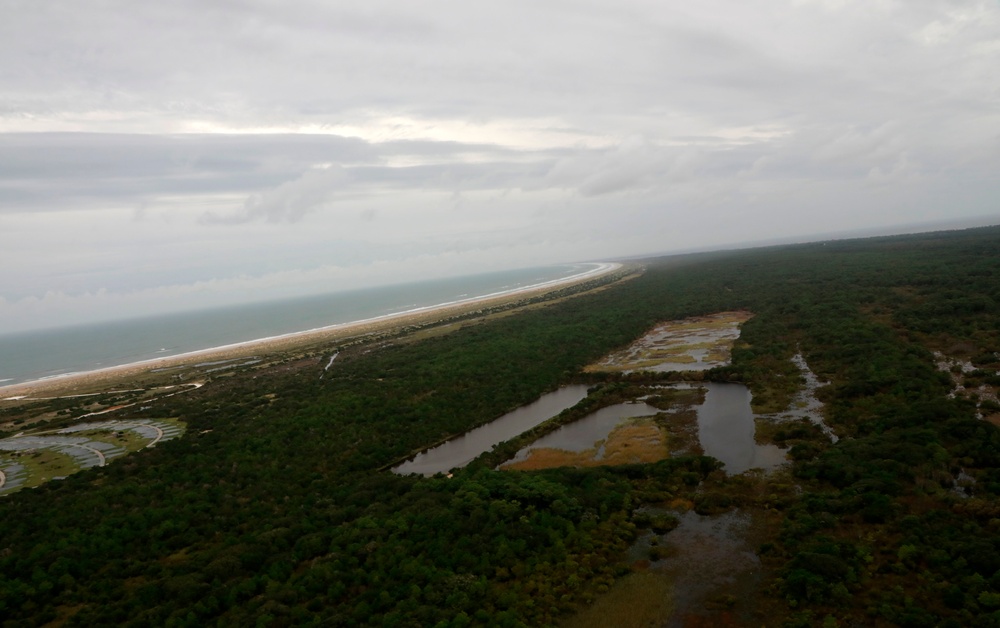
{"x":726,"y":430}
{"x":463,"y":449}
{"x":587,"y":432}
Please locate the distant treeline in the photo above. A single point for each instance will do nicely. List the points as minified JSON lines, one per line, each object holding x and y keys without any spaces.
{"x":270,"y":510}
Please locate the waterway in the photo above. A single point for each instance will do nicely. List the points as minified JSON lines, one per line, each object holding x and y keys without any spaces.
{"x":725,"y":431}
{"x":463,"y":449}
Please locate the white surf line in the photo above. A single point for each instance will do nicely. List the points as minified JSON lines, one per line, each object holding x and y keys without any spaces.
{"x":601,"y":268}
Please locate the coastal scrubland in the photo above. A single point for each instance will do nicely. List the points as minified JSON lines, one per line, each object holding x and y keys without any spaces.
{"x":276,"y":509}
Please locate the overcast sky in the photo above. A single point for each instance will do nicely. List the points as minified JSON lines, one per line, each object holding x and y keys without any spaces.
{"x":158,"y":156}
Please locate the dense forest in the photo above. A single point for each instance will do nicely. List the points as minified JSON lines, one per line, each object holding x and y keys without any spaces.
{"x":275,"y":508}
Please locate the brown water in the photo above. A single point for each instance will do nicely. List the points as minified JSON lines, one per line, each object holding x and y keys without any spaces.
{"x":463,"y":449}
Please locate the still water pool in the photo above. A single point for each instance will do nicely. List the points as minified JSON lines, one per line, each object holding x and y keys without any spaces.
{"x":463,"y":449}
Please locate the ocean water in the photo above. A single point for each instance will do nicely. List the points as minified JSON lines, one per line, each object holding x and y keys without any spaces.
{"x":51,"y":353}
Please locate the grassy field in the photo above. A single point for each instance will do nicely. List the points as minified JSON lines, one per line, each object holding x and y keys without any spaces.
{"x":45,"y":463}
{"x":633,"y":442}
{"x":638,"y":600}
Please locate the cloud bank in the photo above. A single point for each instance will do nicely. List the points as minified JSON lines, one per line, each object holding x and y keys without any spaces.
{"x":190,"y":154}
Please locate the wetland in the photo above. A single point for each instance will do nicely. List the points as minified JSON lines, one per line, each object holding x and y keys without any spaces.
{"x":633,"y":432}
{"x":276,"y":507}
{"x":691,"y":344}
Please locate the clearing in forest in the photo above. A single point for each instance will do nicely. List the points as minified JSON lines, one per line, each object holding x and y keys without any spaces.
{"x":690,"y":344}
{"x":32,"y":458}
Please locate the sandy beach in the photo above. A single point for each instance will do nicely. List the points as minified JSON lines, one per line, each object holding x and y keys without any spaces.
{"x":79,"y":383}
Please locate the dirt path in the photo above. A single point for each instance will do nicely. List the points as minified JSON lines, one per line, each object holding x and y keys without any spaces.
{"x":100,"y":456}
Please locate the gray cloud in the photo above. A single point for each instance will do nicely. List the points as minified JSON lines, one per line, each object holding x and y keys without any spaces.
{"x":290,"y":201}
{"x":197,"y":149}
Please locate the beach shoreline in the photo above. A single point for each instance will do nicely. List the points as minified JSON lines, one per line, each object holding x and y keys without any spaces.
{"x":69,"y":383}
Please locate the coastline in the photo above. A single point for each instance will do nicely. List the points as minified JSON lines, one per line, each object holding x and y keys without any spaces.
{"x":69,"y":383}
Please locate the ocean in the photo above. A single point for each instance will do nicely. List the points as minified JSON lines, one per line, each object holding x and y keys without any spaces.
{"x":49,"y":353}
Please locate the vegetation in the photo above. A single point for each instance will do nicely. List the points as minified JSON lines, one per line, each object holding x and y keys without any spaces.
{"x":48,"y":456}
{"x":272,"y":509}
{"x":633,"y":441}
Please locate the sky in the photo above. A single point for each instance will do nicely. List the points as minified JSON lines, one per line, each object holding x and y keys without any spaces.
{"x":176,"y":155}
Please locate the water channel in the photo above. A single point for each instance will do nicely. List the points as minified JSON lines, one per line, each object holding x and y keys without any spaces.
{"x":725,"y":431}
{"x":463,"y":449}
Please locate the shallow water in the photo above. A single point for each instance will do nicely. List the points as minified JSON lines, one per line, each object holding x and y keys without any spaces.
{"x":589,"y":431}
{"x":708,"y":557}
{"x":726,"y":429}
{"x":693,"y":344}
{"x":463,"y":449}
{"x":805,"y":404}
{"x":14,"y":475}
{"x":701,"y":356}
